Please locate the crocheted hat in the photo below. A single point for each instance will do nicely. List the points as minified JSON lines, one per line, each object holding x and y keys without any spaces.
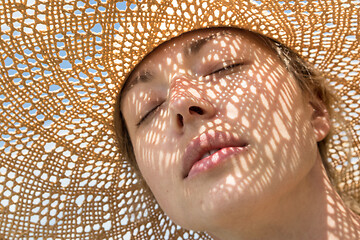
{"x":63,"y":62}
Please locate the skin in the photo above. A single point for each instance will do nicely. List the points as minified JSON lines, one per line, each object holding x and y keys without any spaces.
{"x":276,"y":188}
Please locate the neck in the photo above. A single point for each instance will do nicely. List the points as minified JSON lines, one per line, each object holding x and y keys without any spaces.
{"x":313,"y":211}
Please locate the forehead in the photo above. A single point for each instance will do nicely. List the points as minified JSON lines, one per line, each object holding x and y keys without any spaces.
{"x":191,"y":42}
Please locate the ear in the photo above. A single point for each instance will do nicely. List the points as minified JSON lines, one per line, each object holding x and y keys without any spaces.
{"x":320,"y":119}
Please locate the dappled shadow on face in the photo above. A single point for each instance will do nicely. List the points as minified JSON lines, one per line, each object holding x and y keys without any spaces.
{"x":223,"y":134}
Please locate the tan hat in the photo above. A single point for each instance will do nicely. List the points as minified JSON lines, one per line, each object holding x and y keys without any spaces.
{"x":62,"y":65}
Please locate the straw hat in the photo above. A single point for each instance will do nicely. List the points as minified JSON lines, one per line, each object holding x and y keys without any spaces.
{"x":62,"y":65}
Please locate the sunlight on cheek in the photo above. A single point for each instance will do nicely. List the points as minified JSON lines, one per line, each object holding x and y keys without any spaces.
{"x":231,"y":111}
{"x":330,"y":221}
{"x":259,"y":78}
{"x":330,"y":209}
{"x":269,"y":152}
{"x":269,"y":85}
{"x":280,"y":125}
{"x":264,"y":101}
{"x":285,"y":103}
{"x":256,"y":135}
{"x":276,"y":135}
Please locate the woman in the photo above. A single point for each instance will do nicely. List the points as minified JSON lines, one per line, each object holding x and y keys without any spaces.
{"x":226,"y":137}
{"x":63,"y":63}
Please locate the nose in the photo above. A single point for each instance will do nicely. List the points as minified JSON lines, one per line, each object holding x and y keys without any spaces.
{"x":187,"y":105}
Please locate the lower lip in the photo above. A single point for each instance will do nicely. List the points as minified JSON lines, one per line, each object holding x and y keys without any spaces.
{"x":214,"y":160}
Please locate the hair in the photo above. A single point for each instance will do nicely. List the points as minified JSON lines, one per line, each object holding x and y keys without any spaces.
{"x":311,"y":81}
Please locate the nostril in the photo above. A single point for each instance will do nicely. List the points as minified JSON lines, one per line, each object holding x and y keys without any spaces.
{"x":195,"y":109}
{"x":180,"y":120}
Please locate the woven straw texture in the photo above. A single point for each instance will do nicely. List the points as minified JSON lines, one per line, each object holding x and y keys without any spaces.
{"x":62,"y":63}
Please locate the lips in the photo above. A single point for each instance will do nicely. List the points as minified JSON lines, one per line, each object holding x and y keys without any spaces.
{"x":208,"y":150}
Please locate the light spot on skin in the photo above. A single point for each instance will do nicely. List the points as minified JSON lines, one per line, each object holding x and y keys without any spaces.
{"x":285,"y":106}
{"x":231,"y":111}
{"x":211,"y":132}
{"x":281,"y":126}
{"x":330,"y":200}
{"x":194,"y":92}
{"x":276,"y":135}
{"x":223,"y":82}
{"x":211,"y":93}
{"x":269,"y":86}
{"x":168,"y":61}
{"x":202,"y":129}
{"x":235,"y":99}
{"x":245,"y":121}
{"x":269,"y":152}
{"x":239,"y":91}
{"x":244,"y":166}
{"x":253,"y":89}
{"x":217,"y":121}
{"x":219,"y":128}
{"x":251,"y":73}
{"x":256,"y":134}
{"x":230,"y":180}
{"x":218,"y":89}
{"x":264,"y":101}
{"x":243,"y":84}
{"x":258,"y":78}
{"x":331,"y":222}
{"x":233,"y":51}
{"x":330,"y":209}
{"x":179,"y":58}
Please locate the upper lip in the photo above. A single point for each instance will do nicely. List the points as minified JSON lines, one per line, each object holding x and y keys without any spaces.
{"x":206,"y":142}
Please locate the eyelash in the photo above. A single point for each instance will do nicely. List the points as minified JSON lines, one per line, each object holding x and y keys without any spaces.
{"x":148,"y":114}
{"x":228,"y":67}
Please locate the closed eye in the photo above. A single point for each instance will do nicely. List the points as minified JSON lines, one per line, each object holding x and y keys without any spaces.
{"x":225,"y":68}
{"x":148,"y":114}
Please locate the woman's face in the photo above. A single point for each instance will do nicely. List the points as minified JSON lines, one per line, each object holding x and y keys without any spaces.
{"x":219,"y":126}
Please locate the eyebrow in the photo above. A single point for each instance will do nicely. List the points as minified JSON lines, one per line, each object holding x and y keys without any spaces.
{"x":195,"y":46}
{"x":190,"y":49}
{"x":142,"y":77}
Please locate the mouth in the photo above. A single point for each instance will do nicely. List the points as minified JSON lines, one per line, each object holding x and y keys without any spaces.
{"x":209,"y":150}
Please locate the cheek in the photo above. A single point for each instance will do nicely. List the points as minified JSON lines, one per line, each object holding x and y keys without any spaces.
{"x":157,"y":160}
{"x":160,"y":168}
